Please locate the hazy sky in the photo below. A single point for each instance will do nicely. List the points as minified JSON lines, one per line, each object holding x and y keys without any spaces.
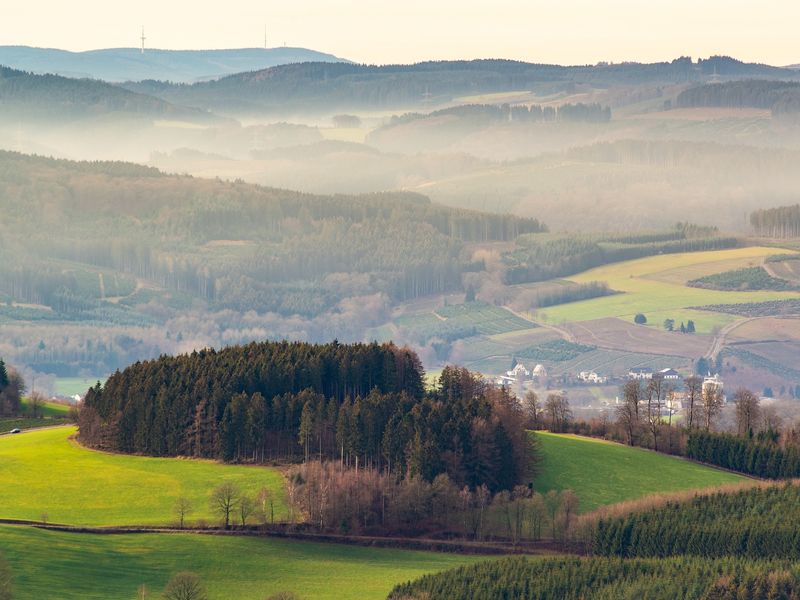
{"x":562,"y":31}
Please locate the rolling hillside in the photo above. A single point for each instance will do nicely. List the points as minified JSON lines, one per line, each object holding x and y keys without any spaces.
{"x":47,"y":98}
{"x":69,"y":566}
{"x":130,"y":64}
{"x":326,"y":87}
{"x":77,"y":486}
{"x":603,"y":473}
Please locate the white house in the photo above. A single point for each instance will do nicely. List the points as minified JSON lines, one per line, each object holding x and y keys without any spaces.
{"x":713,"y":384}
{"x":591,"y":377}
{"x":669,"y":374}
{"x":640,"y":373}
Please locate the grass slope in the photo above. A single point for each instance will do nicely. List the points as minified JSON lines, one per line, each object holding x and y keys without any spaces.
{"x":651,"y":286}
{"x":50,"y":410}
{"x":69,"y":566}
{"x":44,"y":471}
{"x":602,"y":473}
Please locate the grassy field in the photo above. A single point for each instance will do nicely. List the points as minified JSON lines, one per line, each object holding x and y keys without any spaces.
{"x":602,"y":473}
{"x":70,"y":566}
{"x":50,"y":410}
{"x":45,"y":472}
{"x":648,"y":292}
{"x":70,"y":386}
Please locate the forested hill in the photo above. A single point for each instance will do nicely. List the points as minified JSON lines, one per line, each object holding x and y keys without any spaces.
{"x":229,"y":244}
{"x":52,"y":97}
{"x":334,"y":86}
{"x":363,"y":403}
{"x":131,"y":64}
{"x":781,"y":97}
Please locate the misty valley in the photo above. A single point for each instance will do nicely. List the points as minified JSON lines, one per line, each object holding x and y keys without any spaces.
{"x":451,"y":329}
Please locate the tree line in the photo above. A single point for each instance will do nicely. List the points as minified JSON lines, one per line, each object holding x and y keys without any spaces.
{"x":362,"y":405}
{"x":760,"y":455}
{"x":313,"y":250}
{"x":756,"y":523}
{"x":571,"y":578}
{"x":487,"y":114}
{"x":780,"y":97}
{"x":647,"y":416}
{"x":12,"y":387}
{"x":780,"y":222}
{"x":534,"y":260}
{"x":334,"y":498}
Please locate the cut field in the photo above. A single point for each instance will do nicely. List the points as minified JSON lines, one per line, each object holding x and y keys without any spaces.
{"x":70,"y":566}
{"x":487,"y":319}
{"x":616,"y":363}
{"x":645,"y":291}
{"x":603,"y":473}
{"x":46,"y":472}
{"x":651,"y":338}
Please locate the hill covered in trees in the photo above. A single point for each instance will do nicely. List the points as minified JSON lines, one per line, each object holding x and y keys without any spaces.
{"x":223,"y":241}
{"x":780,"y":97}
{"x":756,"y":523}
{"x":130,"y":64}
{"x":334,"y":86}
{"x":47,"y":98}
{"x":604,"y":579}
{"x":359,"y":404}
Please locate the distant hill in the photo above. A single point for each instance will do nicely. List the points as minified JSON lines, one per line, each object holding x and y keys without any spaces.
{"x":327,"y":87}
{"x":55,"y":98}
{"x":130,"y":64}
{"x":781,"y":97}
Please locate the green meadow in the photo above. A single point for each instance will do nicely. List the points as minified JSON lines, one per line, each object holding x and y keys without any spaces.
{"x":656,"y":286}
{"x":72,"y":566}
{"x":50,"y":410}
{"x":45,"y":471}
{"x":603,"y":473}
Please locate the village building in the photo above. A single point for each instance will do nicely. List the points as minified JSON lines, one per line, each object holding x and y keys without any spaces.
{"x":592,"y":377}
{"x":713,"y":384}
{"x":668,"y":374}
{"x":640,"y":373}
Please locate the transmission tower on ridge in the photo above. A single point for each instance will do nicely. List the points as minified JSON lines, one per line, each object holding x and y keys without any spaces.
{"x":143,"y":39}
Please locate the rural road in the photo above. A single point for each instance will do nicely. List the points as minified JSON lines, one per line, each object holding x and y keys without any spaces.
{"x":562,"y":332}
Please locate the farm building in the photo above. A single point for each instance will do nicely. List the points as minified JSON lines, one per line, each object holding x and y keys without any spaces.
{"x":515,"y":376}
{"x":640,"y":373}
{"x":539,"y":372}
{"x":592,"y":377}
{"x":668,"y":374}
{"x":713,"y":384}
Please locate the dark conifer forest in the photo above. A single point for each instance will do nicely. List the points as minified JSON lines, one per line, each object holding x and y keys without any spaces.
{"x":604,"y":579}
{"x":361,"y":404}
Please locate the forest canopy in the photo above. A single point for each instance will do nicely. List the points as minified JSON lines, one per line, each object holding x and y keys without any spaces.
{"x":361,"y":404}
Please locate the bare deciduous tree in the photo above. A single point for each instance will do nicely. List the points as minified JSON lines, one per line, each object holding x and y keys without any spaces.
{"x":36,"y":403}
{"x":247,"y":507}
{"x":224,"y":500}
{"x":694,"y":396}
{"x":712,"y":405}
{"x":265,"y":506}
{"x":183,"y":506}
{"x":533,"y":409}
{"x":559,"y":412}
{"x":185,"y":586}
{"x":747,"y":410}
